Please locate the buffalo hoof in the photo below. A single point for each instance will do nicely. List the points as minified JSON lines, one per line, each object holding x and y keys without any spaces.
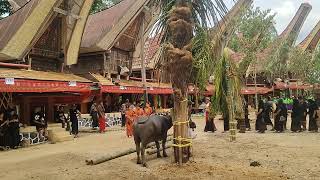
{"x":158,"y":156}
{"x":144,"y":165}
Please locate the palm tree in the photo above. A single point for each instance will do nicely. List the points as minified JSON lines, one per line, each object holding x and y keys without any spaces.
{"x":188,"y":55}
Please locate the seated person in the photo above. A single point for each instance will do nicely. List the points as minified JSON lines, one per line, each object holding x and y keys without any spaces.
{"x":40,"y":123}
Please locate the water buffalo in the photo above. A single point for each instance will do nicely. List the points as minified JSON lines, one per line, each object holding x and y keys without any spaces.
{"x":149,"y":129}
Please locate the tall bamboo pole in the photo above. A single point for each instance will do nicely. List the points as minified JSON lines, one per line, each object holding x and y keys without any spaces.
{"x":255,"y":84}
{"x":143,"y":67}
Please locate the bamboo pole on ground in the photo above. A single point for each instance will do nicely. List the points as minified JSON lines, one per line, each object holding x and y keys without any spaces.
{"x":98,"y":160}
{"x":153,"y":151}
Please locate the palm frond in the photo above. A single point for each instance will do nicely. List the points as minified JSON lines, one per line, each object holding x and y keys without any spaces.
{"x":203,"y":63}
{"x":227,"y":88}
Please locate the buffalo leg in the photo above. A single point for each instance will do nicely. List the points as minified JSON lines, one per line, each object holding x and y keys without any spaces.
{"x":164,"y":147}
{"x":138,"y":153}
{"x":158,"y":149}
{"x":144,"y":164}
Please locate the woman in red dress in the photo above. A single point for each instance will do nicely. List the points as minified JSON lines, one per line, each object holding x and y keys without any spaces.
{"x":101,"y":115}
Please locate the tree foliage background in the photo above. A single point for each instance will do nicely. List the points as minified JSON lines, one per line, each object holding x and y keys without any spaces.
{"x":5,"y":8}
{"x":99,"y":5}
{"x":254,"y":32}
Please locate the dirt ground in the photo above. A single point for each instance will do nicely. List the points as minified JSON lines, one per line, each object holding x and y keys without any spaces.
{"x":282,"y":156}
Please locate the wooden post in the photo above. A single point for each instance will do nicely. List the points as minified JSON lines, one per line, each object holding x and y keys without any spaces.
{"x":165,"y":100}
{"x":50,"y":110}
{"x":104,"y":64}
{"x":108,"y":64}
{"x":84,"y":108}
{"x":155,"y":101}
{"x":29,"y":62}
{"x":143,"y":67}
{"x":26,"y":114}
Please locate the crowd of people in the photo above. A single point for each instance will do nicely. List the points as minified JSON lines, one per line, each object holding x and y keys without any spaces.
{"x":300,"y":110}
{"x":274,"y":113}
{"x":131,"y":112}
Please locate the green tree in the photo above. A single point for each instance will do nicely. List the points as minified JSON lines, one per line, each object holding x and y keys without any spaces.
{"x":5,"y":8}
{"x":314,"y":74}
{"x":300,"y":64}
{"x":254,"y":32}
{"x":99,"y":5}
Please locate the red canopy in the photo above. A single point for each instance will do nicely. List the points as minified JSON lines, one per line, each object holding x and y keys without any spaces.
{"x":253,"y":90}
{"x":23,"y":85}
{"x":135,"y":90}
{"x":282,"y":85}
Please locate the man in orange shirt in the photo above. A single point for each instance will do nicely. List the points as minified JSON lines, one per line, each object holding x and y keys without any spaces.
{"x":148,"y":110}
{"x":139,"y":111}
{"x":131,"y":116}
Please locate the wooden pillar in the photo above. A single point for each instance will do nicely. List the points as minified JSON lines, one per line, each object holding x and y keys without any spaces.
{"x":25,"y":111}
{"x":165,"y":101}
{"x":50,"y":110}
{"x":155,"y":101}
{"x":84,"y":108}
{"x":107,"y":65}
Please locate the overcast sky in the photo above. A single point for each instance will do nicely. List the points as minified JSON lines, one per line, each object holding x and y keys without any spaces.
{"x":286,"y":9}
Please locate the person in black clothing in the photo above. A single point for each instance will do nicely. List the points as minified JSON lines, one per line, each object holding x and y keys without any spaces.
{"x":312,"y":116}
{"x":4,"y":138}
{"x":279,"y":116}
{"x":260,"y":123}
{"x":285,"y":117}
{"x":40,"y":123}
{"x":14,"y":132}
{"x":61,"y":118}
{"x":74,"y":112}
{"x":305,"y":111}
{"x":94,"y":114}
{"x":226,"y":125}
{"x":13,"y":127}
{"x":296,"y":116}
{"x":268,"y":111}
{"x":246,"y":114}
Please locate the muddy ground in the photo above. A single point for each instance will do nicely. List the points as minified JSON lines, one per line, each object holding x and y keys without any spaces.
{"x":282,"y":156}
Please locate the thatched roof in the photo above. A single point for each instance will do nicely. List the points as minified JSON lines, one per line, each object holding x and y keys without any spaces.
{"x":151,"y":50}
{"x":20,"y":31}
{"x":30,"y":19}
{"x":39,"y":75}
{"x":118,"y":25}
{"x":311,"y":42}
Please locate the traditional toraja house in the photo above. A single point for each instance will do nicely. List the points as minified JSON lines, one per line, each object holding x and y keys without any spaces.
{"x":289,"y":35}
{"x":111,"y":42}
{"x":37,"y":42}
{"x":310,"y":43}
